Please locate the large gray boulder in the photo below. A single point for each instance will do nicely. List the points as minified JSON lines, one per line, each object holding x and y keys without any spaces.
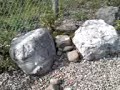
{"x":33,"y":52}
{"x":108,"y":14}
{"x":95,"y":39}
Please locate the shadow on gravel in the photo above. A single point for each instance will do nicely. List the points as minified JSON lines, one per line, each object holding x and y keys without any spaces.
{"x":19,"y":78}
{"x":60,"y":61}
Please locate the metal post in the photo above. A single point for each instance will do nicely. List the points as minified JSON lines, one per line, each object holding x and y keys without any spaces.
{"x":55,"y":7}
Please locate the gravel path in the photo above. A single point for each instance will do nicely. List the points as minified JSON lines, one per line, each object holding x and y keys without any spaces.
{"x":85,"y":75}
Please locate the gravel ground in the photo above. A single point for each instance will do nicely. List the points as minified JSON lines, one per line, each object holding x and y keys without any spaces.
{"x":85,"y":75}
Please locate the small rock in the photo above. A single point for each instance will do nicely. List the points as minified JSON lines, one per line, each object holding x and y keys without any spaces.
{"x":68,"y":88}
{"x":53,"y":87}
{"x":54,"y":81}
{"x":67,"y":25}
{"x":63,"y":40}
{"x":60,"y":49}
{"x":73,"y":56}
{"x":59,"y":53}
{"x":68,"y":48}
{"x":54,"y":84}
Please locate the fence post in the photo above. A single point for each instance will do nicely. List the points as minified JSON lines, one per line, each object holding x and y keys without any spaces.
{"x":55,"y":7}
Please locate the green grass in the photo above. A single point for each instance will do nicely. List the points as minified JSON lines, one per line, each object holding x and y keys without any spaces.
{"x":80,"y":16}
{"x":5,"y":39}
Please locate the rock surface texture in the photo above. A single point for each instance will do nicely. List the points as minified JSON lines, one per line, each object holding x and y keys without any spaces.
{"x":73,"y":56}
{"x":96,"y":39}
{"x":109,"y":14}
{"x":62,"y":40}
{"x":54,"y":85}
{"x":34,"y":51}
{"x":67,"y":25}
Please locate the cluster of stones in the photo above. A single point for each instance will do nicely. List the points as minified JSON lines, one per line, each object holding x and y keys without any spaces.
{"x":34,"y":51}
{"x":64,"y":45}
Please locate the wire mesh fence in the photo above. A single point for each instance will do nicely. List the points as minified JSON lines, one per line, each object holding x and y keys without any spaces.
{"x":28,"y":14}
{"x":21,"y":14}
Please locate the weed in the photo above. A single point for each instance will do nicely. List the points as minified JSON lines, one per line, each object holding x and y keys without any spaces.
{"x":81,"y":16}
{"x":5,"y":39}
{"x":117,"y":26}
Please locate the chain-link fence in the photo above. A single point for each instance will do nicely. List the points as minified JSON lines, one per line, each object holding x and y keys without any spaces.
{"x":27,"y":14}
{"x":22,"y":14}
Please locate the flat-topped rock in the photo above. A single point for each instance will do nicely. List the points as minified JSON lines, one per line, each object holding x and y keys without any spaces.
{"x":68,"y":25}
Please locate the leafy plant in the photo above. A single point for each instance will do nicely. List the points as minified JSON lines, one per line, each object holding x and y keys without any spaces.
{"x":48,"y":20}
{"x":117,"y":26}
{"x":113,"y":2}
{"x":5,"y":38}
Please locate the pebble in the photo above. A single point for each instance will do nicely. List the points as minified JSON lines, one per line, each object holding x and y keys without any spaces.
{"x":68,"y":88}
{"x":54,"y":81}
{"x":53,"y":87}
{"x":63,"y":40}
{"x":68,"y":48}
{"x":73,"y":56}
{"x":54,"y":84}
{"x":67,"y":25}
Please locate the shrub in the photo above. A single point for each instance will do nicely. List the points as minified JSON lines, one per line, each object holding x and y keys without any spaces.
{"x":5,"y":38}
